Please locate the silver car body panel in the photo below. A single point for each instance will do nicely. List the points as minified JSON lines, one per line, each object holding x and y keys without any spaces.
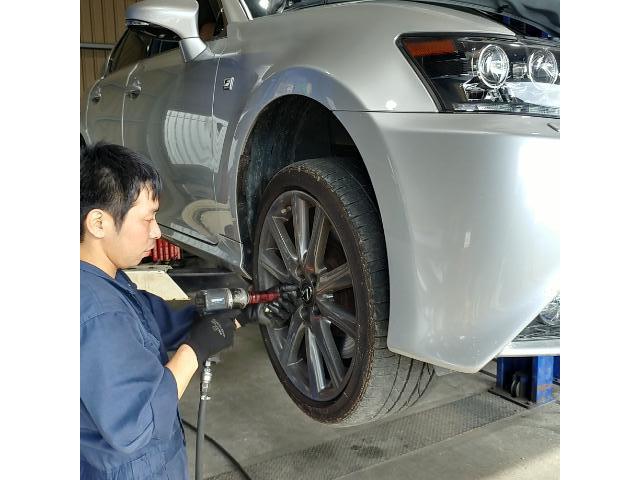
{"x":103,"y":119}
{"x":170,"y":121}
{"x":467,"y":200}
{"x":544,"y":14}
{"x":469,"y":205}
{"x":280,"y":55}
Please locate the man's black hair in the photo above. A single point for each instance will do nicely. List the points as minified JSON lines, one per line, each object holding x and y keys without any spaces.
{"x":111,"y":179}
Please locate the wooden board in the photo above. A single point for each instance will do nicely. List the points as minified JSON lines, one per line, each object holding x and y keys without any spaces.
{"x":101,"y":21}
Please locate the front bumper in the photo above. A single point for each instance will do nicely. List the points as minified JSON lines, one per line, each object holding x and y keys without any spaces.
{"x":470,"y":208}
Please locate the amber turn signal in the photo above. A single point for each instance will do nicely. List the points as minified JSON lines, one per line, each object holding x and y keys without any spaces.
{"x":428,"y":48}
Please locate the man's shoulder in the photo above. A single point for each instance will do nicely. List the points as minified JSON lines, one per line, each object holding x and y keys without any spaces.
{"x":98,"y":296}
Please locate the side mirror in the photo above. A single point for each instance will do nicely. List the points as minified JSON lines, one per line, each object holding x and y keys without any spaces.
{"x":179,"y":16}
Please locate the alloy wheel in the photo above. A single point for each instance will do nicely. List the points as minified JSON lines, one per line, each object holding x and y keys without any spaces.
{"x":314,"y":332}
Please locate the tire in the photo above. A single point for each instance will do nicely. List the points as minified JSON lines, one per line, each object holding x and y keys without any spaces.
{"x":328,"y":344}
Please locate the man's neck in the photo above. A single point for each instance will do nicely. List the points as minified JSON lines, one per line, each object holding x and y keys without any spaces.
{"x":99,"y":260}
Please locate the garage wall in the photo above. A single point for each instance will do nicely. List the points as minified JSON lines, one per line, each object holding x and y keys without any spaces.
{"x":101,"y":25}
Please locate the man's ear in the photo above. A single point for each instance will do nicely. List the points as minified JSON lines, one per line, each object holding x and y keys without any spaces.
{"x":94,"y":222}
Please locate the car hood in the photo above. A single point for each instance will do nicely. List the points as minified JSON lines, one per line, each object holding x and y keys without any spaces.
{"x":544,"y":14}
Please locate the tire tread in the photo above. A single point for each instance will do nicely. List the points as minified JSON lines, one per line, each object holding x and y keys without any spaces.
{"x":381,"y":396}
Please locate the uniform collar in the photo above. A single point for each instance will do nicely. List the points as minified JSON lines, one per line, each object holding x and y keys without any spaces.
{"x":121,"y":279}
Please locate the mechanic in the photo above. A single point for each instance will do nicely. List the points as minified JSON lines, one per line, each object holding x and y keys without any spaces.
{"x":129,"y":389}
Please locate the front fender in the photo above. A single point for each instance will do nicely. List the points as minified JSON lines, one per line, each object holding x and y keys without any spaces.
{"x":470,"y":207}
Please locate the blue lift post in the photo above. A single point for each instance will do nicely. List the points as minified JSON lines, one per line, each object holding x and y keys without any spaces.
{"x":528,"y":380}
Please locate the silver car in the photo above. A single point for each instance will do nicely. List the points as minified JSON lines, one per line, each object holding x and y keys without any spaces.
{"x":396,"y":160}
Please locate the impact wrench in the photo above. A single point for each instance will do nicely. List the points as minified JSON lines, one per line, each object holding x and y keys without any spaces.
{"x":216,"y":300}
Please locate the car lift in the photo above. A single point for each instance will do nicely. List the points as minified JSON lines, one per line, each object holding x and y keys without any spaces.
{"x":528,"y":381}
{"x":535,"y":380}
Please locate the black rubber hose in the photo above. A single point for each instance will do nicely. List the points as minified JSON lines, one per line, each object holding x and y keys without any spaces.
{"x":215,"y":444}
{"x":202,"y":411}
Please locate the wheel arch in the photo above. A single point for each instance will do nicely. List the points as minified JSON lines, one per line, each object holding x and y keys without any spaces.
{"x":288,"y":129}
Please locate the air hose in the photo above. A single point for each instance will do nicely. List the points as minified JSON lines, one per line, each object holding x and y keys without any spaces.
{"x":205,"y":383}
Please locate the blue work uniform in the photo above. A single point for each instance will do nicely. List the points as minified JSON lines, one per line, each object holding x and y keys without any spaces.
{"x":129,"y":422}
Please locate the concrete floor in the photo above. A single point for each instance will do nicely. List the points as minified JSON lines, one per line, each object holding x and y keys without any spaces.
{"x":254,"y":419}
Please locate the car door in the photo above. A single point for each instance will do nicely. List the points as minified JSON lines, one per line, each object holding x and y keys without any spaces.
{"x":105,"y":101}
{"x":167,"y":117}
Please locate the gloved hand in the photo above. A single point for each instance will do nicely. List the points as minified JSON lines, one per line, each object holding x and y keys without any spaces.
{"x":211,"y":334}
{"x":276,"y":313}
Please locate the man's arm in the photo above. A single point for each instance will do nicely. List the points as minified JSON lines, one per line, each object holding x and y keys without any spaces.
{"x":177,"y":327}
{"x":173,"y":324}
{"x":183,"y":365}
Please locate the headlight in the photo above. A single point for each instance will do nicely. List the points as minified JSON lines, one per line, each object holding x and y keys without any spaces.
{"x":493,"y":66}
{"x":543,"y":68}
{"x":479,"y":74}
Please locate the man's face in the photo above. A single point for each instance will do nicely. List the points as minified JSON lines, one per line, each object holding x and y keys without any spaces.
{"x":137,"y":234}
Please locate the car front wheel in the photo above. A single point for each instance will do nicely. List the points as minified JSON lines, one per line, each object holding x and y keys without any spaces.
{"x":319,"y":229}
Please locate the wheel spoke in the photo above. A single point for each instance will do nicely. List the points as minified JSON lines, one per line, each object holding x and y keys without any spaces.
{"x":314,"y":364}
{"x":300,"y":209}
{"x":337,"y":279}
{"x":272,"y":264}
{"x":321,"y":328}
{"x":289,"y":352}
{"x":287,"y":250}
{"x":338,"y":316}
{"x":314,"y":259}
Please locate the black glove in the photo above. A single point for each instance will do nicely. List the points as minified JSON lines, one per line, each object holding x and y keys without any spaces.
{"x":279,"y":312}
{"x":211,"y":334}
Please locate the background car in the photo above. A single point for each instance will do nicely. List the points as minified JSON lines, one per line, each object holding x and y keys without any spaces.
{"x":396,"y":160}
